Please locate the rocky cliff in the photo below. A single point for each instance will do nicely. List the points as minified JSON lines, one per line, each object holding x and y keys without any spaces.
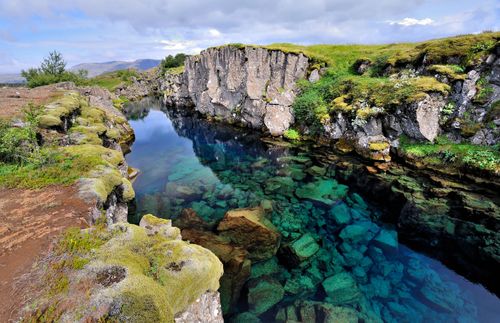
{"x":252,"y":86}
{"x":366,"y":98}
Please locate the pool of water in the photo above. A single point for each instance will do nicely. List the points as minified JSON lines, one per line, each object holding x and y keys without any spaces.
{"x":356,"y":262}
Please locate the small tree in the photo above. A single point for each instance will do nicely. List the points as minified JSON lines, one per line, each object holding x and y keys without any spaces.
{"x":53,"y":70}
{"x":54,"y":64}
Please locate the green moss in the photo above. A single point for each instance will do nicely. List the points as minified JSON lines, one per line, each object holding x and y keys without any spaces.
{"x":467,"y":48}
{"x":446,"y":153}
{"x":291,"y":134}
{"x":380,"y":145}
{"x":63,"y":107}
{"x":128,"y":191}
{"x":454,"y":72}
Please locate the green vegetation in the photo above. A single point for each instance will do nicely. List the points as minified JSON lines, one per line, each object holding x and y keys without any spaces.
{"x":25,"y":163}
{"x":53,"y":70}
{"x":172,"y":64}
{"x":158,"y":276}
{"x":343,"y":89}
{"x":445,"y":152}
{"x":112,"y":80}
{"x":291,"y":134}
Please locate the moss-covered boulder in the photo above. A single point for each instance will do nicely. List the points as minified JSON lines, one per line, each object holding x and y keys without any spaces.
{"x":250,"y":229}
{"x":125,"y":273}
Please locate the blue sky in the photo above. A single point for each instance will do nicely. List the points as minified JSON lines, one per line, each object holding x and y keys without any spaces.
{"x":99,"y":30}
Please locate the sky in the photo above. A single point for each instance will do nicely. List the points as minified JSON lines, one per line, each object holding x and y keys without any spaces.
{"x":99,"y":31}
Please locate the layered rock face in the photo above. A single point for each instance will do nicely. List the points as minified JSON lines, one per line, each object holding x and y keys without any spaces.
{"x":252,"y":86}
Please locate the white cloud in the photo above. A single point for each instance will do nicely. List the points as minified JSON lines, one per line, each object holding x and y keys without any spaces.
{"x":214,"y":33}
{"x":412,"y":22}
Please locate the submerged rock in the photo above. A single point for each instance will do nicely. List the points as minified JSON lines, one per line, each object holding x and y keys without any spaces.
{"x":264,"y":293}
{"x":341,"y":289}
{"x":326,"y":192}
{"x":249,"y":229}
{"x":299,"y":250}
{"x":341,"y":214}
{"x":235,"y":261}
{"x":387,"y":240}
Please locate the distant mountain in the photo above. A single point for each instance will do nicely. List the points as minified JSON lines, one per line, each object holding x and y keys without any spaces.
{"x":95,"y":69}
{"x":11,"y":79}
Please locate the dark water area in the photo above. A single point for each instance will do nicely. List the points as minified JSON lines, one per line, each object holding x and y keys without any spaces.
{"x":351,"y":260}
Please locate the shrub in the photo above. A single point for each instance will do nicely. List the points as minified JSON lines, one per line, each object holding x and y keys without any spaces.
{"x":483,"y":159}
{"x":172,"y":61}
{"x":53,"y":70}
{"x":19,"y":144}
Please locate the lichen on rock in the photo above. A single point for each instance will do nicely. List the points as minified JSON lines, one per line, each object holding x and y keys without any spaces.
{"x":129,"y":275}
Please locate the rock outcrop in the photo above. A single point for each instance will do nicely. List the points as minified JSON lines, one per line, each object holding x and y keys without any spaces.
{"x":252,"y":86}
{"x":131,"y":274}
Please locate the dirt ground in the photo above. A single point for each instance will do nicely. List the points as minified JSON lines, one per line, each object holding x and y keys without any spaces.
{"x":29,"y":222}
{"x":12,"y":99}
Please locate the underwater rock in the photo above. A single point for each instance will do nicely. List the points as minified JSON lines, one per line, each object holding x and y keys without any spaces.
{"x":299,"y":250}
{"x":380,"y":287}
{"x":189,"y":219}
{"x":326,"y":192}
{"x":264,"y":293}
{"x":248,"y":228}
{"x":153,"y":225}
{"x":310,"y":311}
{"x":282,"y":185}
{"x":234,"y":259}
{"x":246,"y":317}
{"x":203,"y":210}
{"x":263,"y":268}
{"x":267,"y":206}
{"x":386,"y":240}
{"x":341,"y":214}
{"x":316,"y":171}
{"x":183,"y":192}
{"x":299,"y":284}
{"x":359,"y":232}
{"x":341,"y":289}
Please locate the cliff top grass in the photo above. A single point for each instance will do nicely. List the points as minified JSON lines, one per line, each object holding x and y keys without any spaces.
{"x":24,"y":163}
{"x":112,"y":80}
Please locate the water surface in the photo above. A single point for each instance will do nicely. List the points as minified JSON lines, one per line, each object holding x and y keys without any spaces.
{"x":187,"y":162}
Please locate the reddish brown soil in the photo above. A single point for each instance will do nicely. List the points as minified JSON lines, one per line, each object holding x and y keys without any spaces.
{"x":29,"y":223}
{"x":12,"y":99}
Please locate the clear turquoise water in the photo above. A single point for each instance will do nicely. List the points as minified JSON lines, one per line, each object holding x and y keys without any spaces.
{"x":219,"y":168}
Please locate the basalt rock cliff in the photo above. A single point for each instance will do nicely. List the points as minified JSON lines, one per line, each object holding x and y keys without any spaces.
{"x":252,"y":86}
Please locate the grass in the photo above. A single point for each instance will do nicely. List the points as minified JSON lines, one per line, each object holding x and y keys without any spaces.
{"x":445,"y":152}
{"x":291,"y":134}
{"x":62,"y":168}
{"x":112,"y":80}
{"x":343,"y":89}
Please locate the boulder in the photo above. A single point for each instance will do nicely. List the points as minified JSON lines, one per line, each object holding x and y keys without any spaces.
{"x":386,"y":240}
{"x":189,"y":219}
{"x":326,"y":192}
{"x":263,"y":294}
{"x":234,"y":259}
{"x":359,"y":231}
{"x":340,"y":214}
{"x":341,"y":289}
{"x":153,"y":225}
{"x":299,"y":250}
{"x":249,"y":229}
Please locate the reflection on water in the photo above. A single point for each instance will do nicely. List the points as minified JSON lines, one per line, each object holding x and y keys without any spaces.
{"x":348,"y":264}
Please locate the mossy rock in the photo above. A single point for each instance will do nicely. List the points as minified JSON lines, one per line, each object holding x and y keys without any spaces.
{"x":133,"y":276}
